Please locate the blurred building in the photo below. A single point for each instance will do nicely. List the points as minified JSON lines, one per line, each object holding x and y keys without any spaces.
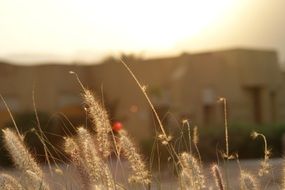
{"x":183,"y":87}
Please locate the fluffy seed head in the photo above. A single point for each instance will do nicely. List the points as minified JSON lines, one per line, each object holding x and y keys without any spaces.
{"x":218,"y":177}
{"x":195,"y":135}
{"x":72,"y":148}
{"x":100,"y":120}
{"x":96,"y":168}
{"x":254,"y":134}
{"x":19,"y":153}
{"x":248,"y":181}
{"x":7,"y":182}
{"x":140,"y":173}
{"x":283,"y":175}
{"x":264,"y":165}
{"x":191,"y":171}
{"x":35,"y":181}
{"x":164,"y":139}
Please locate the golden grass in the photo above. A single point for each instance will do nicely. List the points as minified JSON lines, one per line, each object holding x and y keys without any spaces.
{"x":90,"y":152}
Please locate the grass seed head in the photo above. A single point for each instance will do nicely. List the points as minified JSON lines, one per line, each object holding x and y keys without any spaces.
{"x":140,"y":174}
{"x":8,"y":182}
{"x":248,"y":181}
{"x":218,"y":177}
{"x":21,"y":157}
{"x":191,"y":171}
{"x":100,"y":120}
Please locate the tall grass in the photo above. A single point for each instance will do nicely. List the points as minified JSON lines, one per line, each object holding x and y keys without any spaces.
{"x":90,"y":152}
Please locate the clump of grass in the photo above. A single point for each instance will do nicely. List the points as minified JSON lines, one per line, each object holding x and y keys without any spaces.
{"x":248,"y":181}
{"x":72,"y":148}
{"x":36,"y":181}
{"x":191,"y":172}
{"x":218,"y":177}
{"x":93,"y":170}
{"x":186,"y":122}
{"x":283,"y":175}
{"x":100,"y":120}
{"x":19,"y":153}
{"x":8,"y":182}
{"x":264,"y":165}
{"x":99,"y":117}
{"x":89,"y":153}
{"x":164,"y":139}
{"x":23,"y":159}
{"x":140,"y":174}
{"x":97,"y":169}
{"x":196,"y":141}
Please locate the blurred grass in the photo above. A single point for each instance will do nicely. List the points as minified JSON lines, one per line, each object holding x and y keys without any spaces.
{"x":212,"y":141}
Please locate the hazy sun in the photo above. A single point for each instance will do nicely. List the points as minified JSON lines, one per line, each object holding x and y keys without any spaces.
{"x":152,"y":24}
{"x":69,"y":26}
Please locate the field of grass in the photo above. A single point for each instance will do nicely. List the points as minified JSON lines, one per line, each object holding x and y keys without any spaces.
{"x":107,"y":158}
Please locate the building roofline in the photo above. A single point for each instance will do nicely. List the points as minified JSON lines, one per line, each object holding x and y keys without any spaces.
{"x":158,"y":58}
{"x":236,"y":49}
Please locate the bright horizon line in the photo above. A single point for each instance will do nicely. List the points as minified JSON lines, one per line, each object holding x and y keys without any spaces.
{"x":92,"y":58}
{"x":87,"y":31}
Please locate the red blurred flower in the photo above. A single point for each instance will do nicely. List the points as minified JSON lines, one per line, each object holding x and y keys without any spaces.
{"x":117,"y":126}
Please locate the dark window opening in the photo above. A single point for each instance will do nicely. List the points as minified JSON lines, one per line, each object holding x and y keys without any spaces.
{"x":273,"y":108}
{"x":255,"y":96}
{"x":209,"y":114}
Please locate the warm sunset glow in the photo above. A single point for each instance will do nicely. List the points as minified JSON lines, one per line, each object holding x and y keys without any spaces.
{"x":78,"y":29}
{"x":86,"y":25}
{"x":151,"y":24}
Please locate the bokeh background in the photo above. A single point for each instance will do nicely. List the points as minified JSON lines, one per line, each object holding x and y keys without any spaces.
{"x":187,"y":54}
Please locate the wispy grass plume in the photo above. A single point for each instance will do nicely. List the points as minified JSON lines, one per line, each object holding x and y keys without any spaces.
{"x":283,"y":174}
{"x":97,"y":169}
{"x":8,"y":182}
{"x":19,"y":153}
{"x":248,"y":181}
{"x":140,"y":174}
{"x":101,"y":122}
{"x":264,"y":165}
{"x":218,"y":177}
{"x":72,"y":148}
{"x":191,"y":173}
{"x":21,"y":156}
{"x":35,"y":181}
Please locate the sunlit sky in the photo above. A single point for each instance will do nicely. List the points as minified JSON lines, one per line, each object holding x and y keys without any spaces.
{"x":68,"y":30}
